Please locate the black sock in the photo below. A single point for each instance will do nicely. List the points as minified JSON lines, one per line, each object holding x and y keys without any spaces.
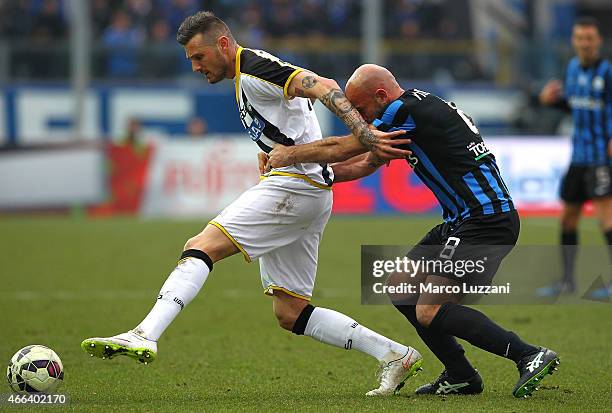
{"x":199,"y":255}
{"x":608,"y":235}
{"x":300,"y":324}
{"x":569,"y":242}
{"x":476,"y":328}
{"x":445,"y":347}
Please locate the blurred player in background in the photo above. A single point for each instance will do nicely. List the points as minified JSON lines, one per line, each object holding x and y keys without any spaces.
{"x":587,"y":92}
{"x":280,"y":220}
{"x":450,"y":157}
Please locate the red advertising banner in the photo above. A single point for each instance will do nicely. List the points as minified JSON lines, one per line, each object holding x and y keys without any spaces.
{"x":199,"y":178}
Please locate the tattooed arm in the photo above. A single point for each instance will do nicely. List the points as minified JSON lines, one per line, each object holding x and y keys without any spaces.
{"x":309,"y":85}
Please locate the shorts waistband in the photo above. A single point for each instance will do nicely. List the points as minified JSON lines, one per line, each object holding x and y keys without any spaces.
{"x":299,"y":176}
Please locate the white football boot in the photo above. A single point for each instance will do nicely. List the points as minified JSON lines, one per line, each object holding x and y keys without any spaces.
{"x":395,"y":369}
{"x":127,"y":344}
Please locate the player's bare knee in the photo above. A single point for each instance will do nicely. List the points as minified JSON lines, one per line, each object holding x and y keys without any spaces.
{"x":570,"y":217}
{"x":569,"y":224}
{"x":398,"y":293}
{"x":605,"y":221}
{"x":286,"y":319}
{"x":199,"y":243}
{"x":191,"y":244}
{"x":287,"y":309}
{"x":213,"y":242}
{"x":569,"y":221}
{"x":425,"y":314}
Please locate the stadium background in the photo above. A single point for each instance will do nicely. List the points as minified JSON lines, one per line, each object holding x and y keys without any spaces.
{"x":112,"y":153}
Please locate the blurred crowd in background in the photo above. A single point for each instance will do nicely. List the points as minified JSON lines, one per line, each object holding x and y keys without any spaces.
{"x":134,"y":22}
{"x":135,"y":38}
{"x":512,"y":45}
{"x":131,"y":35}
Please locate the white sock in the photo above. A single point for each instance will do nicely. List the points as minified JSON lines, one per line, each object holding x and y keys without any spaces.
{"x":332,"y":327}
{"x":180,"y":288}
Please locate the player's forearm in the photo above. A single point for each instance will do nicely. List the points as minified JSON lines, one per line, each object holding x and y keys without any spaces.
{"x":329,"y":150}
{"x":354,"y":168}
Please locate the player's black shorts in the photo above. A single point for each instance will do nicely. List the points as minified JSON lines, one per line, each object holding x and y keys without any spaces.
{"x":582,"y":183}
{"x":468,"y":252}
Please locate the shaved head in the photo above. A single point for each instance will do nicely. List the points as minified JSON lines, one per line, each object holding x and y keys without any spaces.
{"x":371,"y":88}
{"x":369,"y":77}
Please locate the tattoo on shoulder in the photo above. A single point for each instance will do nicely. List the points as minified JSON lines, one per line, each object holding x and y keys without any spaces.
{"x":309,"y":82}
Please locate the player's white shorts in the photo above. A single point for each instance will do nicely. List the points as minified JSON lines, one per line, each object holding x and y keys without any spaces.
{"x":281,"y":222}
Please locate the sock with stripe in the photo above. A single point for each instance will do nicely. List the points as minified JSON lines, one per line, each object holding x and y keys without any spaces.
{"x":339,"y":330}
{"x":479,"y":330}
{"x":180,"y":289}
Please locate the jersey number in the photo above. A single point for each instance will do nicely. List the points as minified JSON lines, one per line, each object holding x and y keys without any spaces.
{"x":468,"y":121}
{"x":449,"y":248}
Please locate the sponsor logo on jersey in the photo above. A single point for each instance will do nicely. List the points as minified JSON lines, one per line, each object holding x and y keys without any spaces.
{"x":256,"y":129}
{"x":585,"y":103}
{"x":478,"y":149}
{"x":419,"y":94}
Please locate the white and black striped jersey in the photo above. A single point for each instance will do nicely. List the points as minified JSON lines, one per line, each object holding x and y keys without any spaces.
{"x":270,"y":116}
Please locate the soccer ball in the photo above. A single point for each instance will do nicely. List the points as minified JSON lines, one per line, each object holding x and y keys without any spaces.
{"x":35,"y":369}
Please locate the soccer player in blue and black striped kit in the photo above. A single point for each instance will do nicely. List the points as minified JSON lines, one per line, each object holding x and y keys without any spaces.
{"x":451,"y":158}
{"x":587,"y":93}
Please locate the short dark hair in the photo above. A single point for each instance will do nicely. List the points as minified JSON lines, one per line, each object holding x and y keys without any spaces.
{"x":201,"y":22}
{"x":587,"y":21}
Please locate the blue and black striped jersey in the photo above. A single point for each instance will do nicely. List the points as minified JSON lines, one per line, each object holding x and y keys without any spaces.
{"x":448,"y":155}
{"x":588,"y":93}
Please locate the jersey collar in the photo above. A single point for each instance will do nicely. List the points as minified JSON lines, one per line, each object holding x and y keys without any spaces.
{"x":592,"y":65}
{"x":237,"y":74}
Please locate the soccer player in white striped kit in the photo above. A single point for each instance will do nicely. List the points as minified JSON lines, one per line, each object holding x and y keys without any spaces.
{"x":280,"y":220}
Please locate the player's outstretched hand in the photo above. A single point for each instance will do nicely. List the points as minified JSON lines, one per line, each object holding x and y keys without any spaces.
{"x":385,"y":145}
{"x":551,"y":92}
{"x":262,"y":160}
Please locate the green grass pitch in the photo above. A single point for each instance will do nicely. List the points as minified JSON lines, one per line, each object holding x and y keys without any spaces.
{"x":67,"y":279}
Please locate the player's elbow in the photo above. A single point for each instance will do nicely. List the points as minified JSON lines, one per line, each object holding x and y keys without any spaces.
{"x":327,"y":85}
